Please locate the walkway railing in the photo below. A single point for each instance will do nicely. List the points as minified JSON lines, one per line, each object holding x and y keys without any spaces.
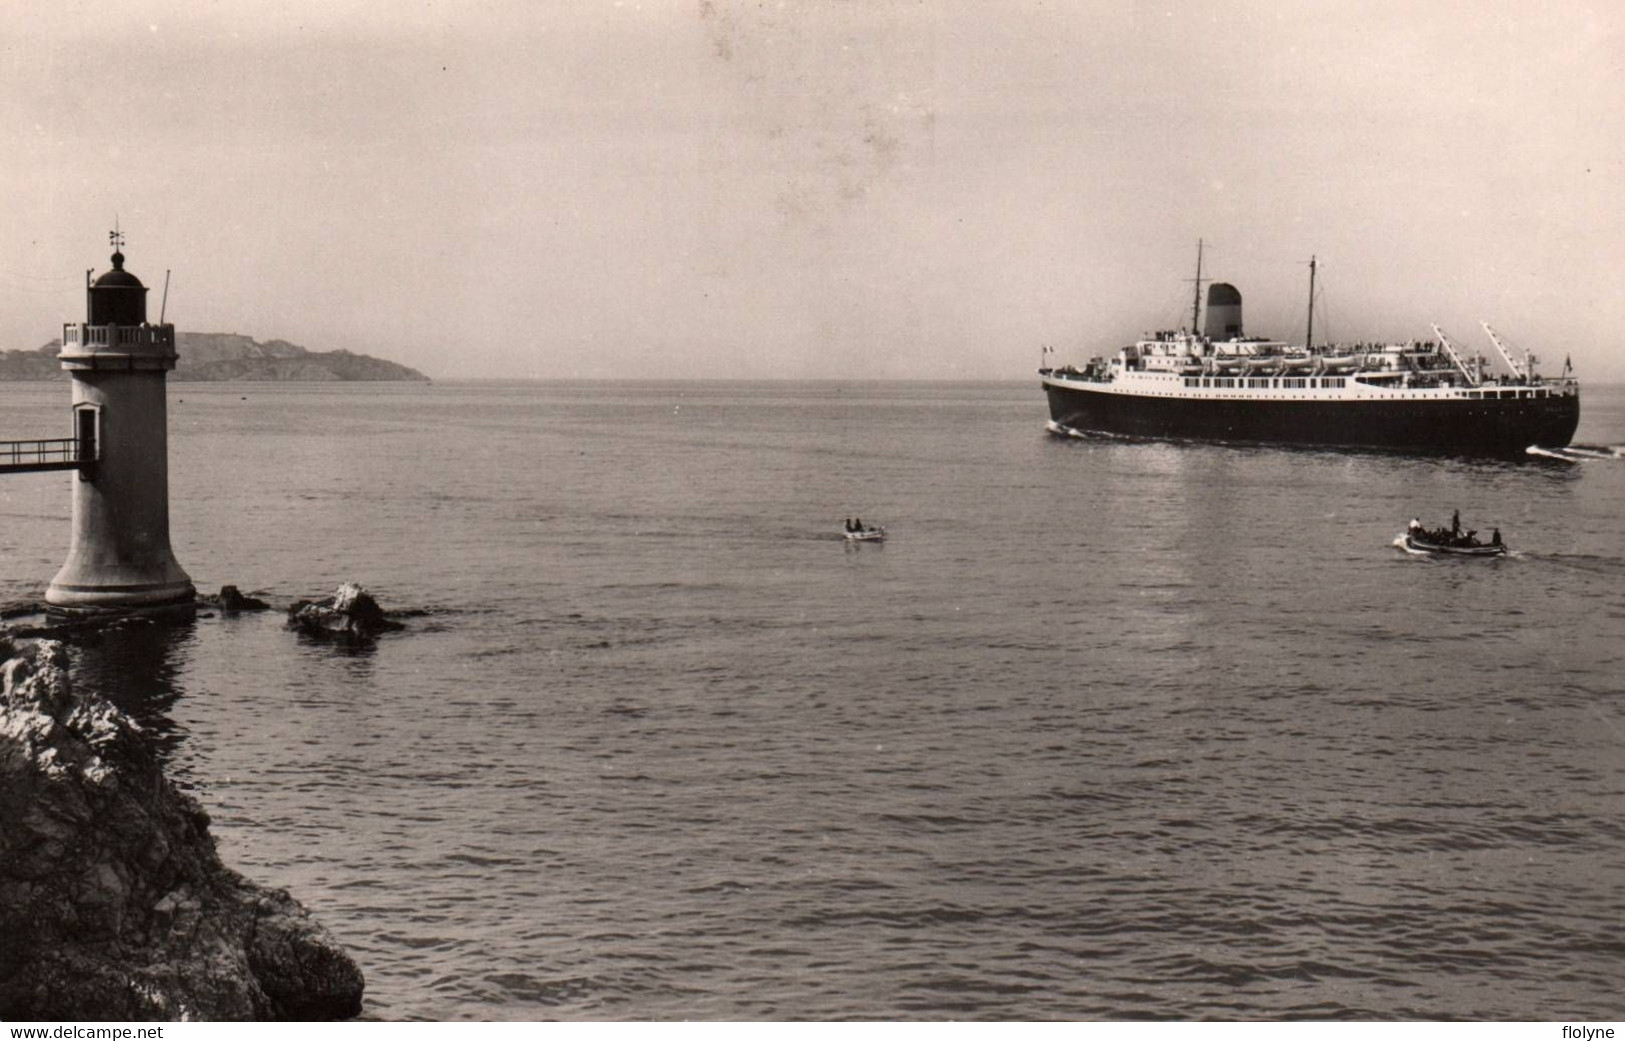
{"x":63,"y":453}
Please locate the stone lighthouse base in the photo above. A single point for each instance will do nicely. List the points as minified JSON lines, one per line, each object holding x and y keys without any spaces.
{"x":118,"y":591}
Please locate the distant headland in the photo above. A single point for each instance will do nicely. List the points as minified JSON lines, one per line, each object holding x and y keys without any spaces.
{"x":229,"y":356}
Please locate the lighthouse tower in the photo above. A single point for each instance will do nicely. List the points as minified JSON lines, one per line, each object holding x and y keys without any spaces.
{"x":119,"y":558}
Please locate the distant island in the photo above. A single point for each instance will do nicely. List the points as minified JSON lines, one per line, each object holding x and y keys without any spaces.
{"x":228,"y":356}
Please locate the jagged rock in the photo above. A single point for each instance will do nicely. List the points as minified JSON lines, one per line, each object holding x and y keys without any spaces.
{"x":231,"y":600}
{"x":113,"y":902}
{"x":349,"y":614}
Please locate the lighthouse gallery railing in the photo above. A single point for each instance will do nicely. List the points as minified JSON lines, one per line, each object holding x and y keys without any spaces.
{"x":81,"y":334}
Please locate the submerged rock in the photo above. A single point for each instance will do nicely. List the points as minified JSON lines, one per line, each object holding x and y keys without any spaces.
{"x":113,"y":902}
{"x":231,"y":600}
{"x":350,"y":613}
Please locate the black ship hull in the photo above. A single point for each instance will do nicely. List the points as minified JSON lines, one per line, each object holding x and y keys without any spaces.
{"x":1493,"y":427}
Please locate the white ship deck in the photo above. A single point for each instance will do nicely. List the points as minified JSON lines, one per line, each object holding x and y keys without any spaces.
{"x":1297,"y":388}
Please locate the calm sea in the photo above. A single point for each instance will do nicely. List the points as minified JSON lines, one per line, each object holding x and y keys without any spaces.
{"x":1104,"y":730}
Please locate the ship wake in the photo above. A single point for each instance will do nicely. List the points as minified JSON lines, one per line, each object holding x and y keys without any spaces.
{"x":1578,"y":453}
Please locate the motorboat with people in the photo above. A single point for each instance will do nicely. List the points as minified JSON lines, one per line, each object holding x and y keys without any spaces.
{"x":1450,"y":541}
{"x":857,"y":531}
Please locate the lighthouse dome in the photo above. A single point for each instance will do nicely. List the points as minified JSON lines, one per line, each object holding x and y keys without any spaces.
{"x":118,"y":297}
{"x":118,"y":276}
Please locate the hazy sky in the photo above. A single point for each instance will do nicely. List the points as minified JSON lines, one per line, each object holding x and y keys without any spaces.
{"x":868,"y":188}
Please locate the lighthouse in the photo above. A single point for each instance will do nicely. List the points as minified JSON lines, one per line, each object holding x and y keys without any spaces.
{"x":119,"y":558}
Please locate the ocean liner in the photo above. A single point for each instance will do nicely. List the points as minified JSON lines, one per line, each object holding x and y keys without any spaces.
{"x":1222,"y":385}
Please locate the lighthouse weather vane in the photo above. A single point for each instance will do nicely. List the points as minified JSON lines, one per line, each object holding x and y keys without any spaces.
{"x":116,"y":237}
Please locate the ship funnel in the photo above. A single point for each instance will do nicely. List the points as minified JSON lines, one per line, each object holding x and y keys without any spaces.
{"x":1223,"y":312}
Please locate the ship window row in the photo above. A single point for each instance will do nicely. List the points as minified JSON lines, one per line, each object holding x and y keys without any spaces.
{"x":1541,"y":393}
{"x":1266,"y":382}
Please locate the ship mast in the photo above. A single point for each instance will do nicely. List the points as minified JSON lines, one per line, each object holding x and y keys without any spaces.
{"x":1309,"y":337}
{"x":1196,"y":298}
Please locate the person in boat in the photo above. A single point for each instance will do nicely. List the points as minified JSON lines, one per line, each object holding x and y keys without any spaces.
{"x":849,"y":526}
{"x":1455,"y":523}
{"x":1415,"y":527}
{"x":857,"y":524}
{"x":1495,"y":537}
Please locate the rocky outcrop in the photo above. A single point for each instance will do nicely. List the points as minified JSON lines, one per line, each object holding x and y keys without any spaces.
{"x":113,"y":902}
{"x":350,"y":614}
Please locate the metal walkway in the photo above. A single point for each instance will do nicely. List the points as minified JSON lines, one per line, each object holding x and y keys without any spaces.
{"x":17,"y":457}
